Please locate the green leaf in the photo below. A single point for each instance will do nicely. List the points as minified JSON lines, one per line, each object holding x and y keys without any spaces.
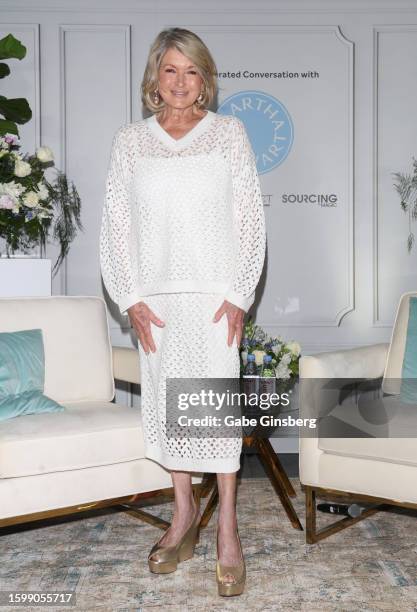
{"x":4,"y":70}
{"x":15,"y":109}
{"x":8,"y":127}
{"x":10,"y":47}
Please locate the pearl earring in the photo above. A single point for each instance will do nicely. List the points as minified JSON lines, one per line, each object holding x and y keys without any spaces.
{"x":156,"y":96}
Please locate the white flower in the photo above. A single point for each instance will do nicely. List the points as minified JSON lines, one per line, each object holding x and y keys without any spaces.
{"x":22,"y":168}
{"x":276,"y":348}
{"x":244,"y":355}
{"x":282,"y":371}
{"x":286,"y":358}
{"x":294,"y":347}
{"x":259,"y":357}
{"x":44,"y":154}
{"x":42,"y":191}
{"x":31,"y":199}
{"x":7,"y":201}
{"x":12,"y":188}
{"x":10,"y":139}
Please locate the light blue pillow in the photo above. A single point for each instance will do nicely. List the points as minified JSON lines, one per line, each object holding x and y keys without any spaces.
{"x":22,"y":375}
{"x":408,"y":391}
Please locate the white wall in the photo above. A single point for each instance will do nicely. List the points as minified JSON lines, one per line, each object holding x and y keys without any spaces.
{"x":332,"y":280}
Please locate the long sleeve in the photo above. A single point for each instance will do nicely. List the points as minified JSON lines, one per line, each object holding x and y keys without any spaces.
{"x":117,"y":269}
{"x":249,"y":218}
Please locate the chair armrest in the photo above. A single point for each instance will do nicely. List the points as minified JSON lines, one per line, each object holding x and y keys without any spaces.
{"x":126,"y":364}
{"x":361,"y":362}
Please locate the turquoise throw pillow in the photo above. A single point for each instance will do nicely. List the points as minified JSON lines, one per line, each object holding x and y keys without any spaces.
{"x":22,"y":375}
{"x":29,"y":402}
{"x":408,"y":391}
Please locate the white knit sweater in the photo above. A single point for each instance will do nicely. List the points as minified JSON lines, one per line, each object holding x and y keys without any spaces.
{"x":182,"y":215}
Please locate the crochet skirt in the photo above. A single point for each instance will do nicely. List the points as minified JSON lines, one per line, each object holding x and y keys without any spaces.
{"x":190,"y":345}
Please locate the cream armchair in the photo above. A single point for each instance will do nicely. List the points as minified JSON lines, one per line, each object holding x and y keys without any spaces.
{"x":90,"y":455}
{"x":378,"y":471}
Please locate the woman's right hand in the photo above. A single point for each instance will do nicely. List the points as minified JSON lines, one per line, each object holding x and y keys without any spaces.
{"x":140,"y":316}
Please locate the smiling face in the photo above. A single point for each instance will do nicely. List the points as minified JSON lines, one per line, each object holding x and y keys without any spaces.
{"x":179,"y":82}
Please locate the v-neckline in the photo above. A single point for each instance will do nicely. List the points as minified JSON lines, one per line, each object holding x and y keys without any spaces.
{"x":163,"y":135}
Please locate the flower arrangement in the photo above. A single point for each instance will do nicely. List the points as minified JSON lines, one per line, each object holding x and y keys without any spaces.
{"x":29,"y":203}
{"x":285,"y":355}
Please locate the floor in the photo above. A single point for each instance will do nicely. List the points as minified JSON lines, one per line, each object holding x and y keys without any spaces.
{"x":101,"y":556}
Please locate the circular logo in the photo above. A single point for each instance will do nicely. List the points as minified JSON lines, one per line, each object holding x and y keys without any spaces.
{"x":267,"y":122}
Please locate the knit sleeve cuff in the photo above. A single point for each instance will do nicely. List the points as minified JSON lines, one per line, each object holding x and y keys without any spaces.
{"x":239,"y":300}
{"x":127,"y":301}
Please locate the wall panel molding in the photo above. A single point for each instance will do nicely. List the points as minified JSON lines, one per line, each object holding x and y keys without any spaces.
{"x":332,"y":319}
{"x":378,"y":31}
{"x":232,"y":7}
{"x":65,"y":32}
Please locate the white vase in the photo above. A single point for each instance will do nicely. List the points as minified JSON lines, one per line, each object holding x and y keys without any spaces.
{"x":25,"y":276}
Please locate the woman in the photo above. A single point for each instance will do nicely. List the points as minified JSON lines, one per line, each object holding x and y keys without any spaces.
{"x":182,"y":247}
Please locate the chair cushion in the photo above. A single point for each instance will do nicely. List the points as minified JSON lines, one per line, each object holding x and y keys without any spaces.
{"x":387,"y":425}
{"x":389,"y":419}
{"x":393,"y":369}
{"x":389,"y":450}
{"x":84,"y":435}
{"x":78,"y":357}
{"x":22,"y":375}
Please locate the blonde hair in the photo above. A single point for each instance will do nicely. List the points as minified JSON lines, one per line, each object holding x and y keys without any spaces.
{"x":192,"y":47}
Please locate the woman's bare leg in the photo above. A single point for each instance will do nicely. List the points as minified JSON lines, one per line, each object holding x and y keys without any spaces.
{"x":184,"y":508}
{"x":229,"y":550}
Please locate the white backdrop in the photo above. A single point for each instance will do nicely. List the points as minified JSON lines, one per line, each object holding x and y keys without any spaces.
{"x":306,"y":74}
{"x":334,"y":274}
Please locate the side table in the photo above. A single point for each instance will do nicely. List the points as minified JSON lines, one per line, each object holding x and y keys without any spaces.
{"x":273,"y":469}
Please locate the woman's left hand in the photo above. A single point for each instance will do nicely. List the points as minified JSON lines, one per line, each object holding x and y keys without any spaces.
{"x":235,"y":317}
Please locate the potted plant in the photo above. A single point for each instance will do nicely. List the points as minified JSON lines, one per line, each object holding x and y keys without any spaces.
{"x":406,"y":186}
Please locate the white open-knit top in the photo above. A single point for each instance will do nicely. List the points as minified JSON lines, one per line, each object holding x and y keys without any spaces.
{"x":182,"y":215}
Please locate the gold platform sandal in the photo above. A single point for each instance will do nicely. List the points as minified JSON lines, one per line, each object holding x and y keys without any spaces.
{"x":165,"y":559}
{"x":226,"y":588}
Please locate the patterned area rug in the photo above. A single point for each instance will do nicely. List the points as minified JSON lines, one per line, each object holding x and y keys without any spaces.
{"x":102,"y":557}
